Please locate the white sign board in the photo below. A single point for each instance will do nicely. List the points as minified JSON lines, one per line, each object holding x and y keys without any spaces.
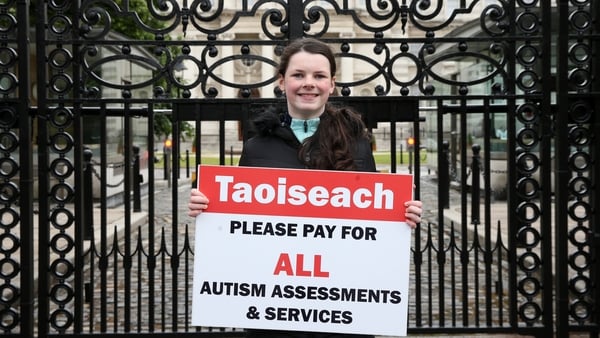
{"x":302,"y":250}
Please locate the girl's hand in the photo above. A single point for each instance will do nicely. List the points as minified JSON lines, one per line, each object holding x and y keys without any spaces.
{"x":198,"y":203}
{"x":414,"y":210}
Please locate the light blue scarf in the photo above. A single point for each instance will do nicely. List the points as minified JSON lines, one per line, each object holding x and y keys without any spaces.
{"x":304,"y":128}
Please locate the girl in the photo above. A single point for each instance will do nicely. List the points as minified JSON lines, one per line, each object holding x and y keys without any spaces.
{"x":308,"y":134}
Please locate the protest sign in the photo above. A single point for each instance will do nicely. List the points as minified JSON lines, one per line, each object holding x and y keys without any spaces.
{"x":306,"y":250}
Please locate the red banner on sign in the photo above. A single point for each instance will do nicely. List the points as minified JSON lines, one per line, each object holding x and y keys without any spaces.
{"x":307,"y":193}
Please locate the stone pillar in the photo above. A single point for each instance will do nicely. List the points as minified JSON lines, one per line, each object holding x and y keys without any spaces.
{"x":267,"y":72}
{"x":346,"y":66}
{"x":228,"y":70}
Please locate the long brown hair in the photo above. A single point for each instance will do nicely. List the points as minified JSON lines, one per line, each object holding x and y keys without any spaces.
{"x":333,"y":144}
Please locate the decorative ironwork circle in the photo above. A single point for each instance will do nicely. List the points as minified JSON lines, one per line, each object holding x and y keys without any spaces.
{"x":61,"y":294}
{"x":527,"y":80}
{"x":528,"y":237}
{"x":579,"y":161}
{"x":580,"y":20}
{"x":579,"y":53}
{"x":59,"y":58}
{"x":8,"y":294}
{"x":581,"y":310}
{"x":9,"y":244}
{"x":528,"y":212}
{"x":9,"y":141}
{"x":59,"y":4}
{"x":62,"y":192}
{"x":581,"y":112}
{"x":530,"y":311}
{"x":61,"y":168}
{"x":529,"y":286}
{"x":579,"y":136}
{"x":60,"y":84}
{"x":59,"y":24}
{"x":528,"y":22}
{"x":62,"y":243}
{"x":580,"y":261}
{"x":527,"y":113}
{"x":61,"y":218}
{"x":9,"y":168}
{"x":527,"y":55}
{"x":580,"y":211}
{"x":579,"y":235}
{"x":10,"y":319}
{"x":9,"y":268}
{"x":61,"y":319}
{"x":527,"y":187}
{"x":579,"y":186}
{"x":61,"y":117}
{"x":402,"y":59}
{"x":527,"y":163}
{"x":8,"y":57}
{"x":62,"y":268}
{"x":579,"y":77}
{"x":8,"y":83}
{"x":9,"y":218}
{"x":527,"y":138}
{"x":8,"y":23}
{"x":62,"y":142}
{"x":527,"y":3}
{"x":9,"y":192}
{"x":8,"y":117}
{"x":529,"y":261}
{"x":580,"y":285}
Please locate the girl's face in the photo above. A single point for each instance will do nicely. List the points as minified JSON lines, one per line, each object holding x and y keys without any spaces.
{"x":307,"y":84}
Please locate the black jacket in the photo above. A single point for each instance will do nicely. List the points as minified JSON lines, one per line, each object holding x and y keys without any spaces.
{"x":276,"y":146}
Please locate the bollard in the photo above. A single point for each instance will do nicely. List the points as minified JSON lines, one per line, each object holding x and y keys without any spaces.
{"x":137,"y":180}
{"x":187,"y":163}
{"x":166,"y":165}
{"x":412,"y":148}
{"x":475,"y":188}
{"x":444,"y":173}
{"x":401,"y":154}
{"x":88,"y":196}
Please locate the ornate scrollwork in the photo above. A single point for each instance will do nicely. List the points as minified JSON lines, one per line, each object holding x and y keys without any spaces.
{"x":207,"y":16}
{"x":98,"y":17}
{"x":494,"y":20}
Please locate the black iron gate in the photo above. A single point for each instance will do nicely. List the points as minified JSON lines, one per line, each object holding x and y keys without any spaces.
{"x":500,"y":95}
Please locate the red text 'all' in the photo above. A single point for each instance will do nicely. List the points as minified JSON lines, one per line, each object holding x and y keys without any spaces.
{"x":284,"y":265}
